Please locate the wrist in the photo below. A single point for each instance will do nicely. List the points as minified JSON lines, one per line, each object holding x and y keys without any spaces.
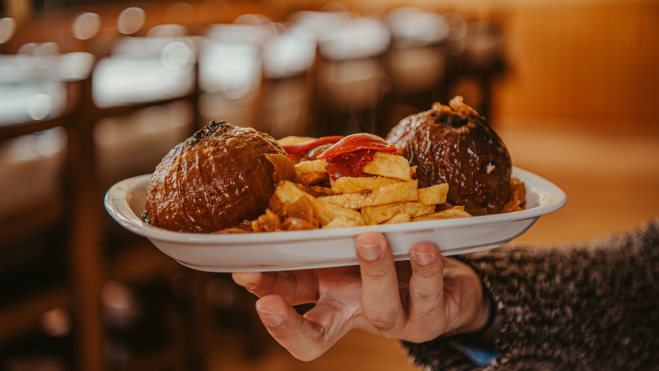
{"x":488,"y":334}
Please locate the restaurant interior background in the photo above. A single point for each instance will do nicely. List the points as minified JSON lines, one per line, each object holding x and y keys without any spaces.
{"x":92,"y":92}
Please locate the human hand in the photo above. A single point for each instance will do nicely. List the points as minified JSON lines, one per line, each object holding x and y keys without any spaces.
{"x":437,"y":296}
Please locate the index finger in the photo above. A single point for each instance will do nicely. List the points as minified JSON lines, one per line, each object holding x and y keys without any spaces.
{"x":296,"y":287}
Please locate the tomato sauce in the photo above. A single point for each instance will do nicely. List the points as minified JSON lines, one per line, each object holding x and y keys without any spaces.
{"x":349,"y":164}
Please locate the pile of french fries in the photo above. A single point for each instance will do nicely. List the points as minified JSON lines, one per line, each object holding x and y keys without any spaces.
{"x":387,"y":195}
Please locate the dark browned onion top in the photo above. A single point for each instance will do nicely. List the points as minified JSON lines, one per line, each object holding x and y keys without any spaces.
{"x":458,"y":149}
{"x":214,"y":180}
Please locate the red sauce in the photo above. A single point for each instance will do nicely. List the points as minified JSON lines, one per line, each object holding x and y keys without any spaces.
{"x":349,"y":164}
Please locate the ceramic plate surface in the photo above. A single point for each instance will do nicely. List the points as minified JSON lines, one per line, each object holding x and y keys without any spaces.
{"x":328,"y":247}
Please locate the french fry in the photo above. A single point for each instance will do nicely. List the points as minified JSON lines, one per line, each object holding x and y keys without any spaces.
{"x":315,"y":166}
{"x":314,"y":178}
{"x":456,"y":212}
{"x":398,"y":218}
{"x":378,"y":214}
{"x":324,"y":212}
{"x":389,"y":165}
{"x":433,"y":195}
{"x":322,"y":191}
{"x":315,"y":191}
{"x":356,"y":185}
{"x":397,"y":192}
{"x":342,"y":222}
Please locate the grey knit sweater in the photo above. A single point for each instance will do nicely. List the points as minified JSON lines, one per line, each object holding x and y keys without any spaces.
{"x":591,"y":306}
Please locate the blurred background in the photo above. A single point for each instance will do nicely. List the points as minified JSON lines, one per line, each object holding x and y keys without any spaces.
{"x":92,"y":92}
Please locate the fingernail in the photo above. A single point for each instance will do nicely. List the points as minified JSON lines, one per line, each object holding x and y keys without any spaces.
{"x":270,"y":319}
{"x":423,"y":259}
{"x":369,"y":252}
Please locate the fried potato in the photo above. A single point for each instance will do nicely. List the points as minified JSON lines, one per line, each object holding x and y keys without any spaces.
{"x":268,"y":222}
{"x":398,"y":218}
{"x":299,"y":178}
{"x":356,"y":185}
{"x":413,"y":170}
{"x":456,"y":212}
{"x":378,"y":214}
{"x":315,"y":166}
{"x":294,"y":140}
{"x":287,"y":191}
{"x":389,"y":165}
{"x":433,"y":195}
{"x":397,"y":192}
{"x":517,"y":199}
{"x":300,"y":209}
{"x":314,"y":178}
{"x":315,"y":191}
{"x":342,"y":222}
{"x":321,"y":191}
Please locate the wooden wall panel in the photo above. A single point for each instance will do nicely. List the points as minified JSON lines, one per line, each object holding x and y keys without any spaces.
{"x":592,"y":60}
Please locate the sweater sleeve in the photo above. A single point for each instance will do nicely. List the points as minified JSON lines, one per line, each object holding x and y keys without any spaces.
{"x":591,"y":306}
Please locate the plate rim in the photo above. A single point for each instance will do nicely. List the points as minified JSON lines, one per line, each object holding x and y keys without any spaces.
{"x":115,"y":203}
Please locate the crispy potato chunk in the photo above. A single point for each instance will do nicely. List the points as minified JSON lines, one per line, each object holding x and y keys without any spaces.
{"x":456,"y":212}
{"x":378,"y":214}
{"x":287,"y":191}
{"x":517,"y":199}
{"x":297,"y":224}
{"x":356,"y":185}
{"x":342,"y":222}
{"x":433,"y":195}
{"x":398,"y":218}
{"x":268,"y":222}
{"x":294,"y":140}
{"x":321,"y":191}
{"x":397,"y":192}
{"x":300,"y":209}
{"x":316,"y":191}
{"x":389,"y":165}
{"x":314,"y":178}
{"x":315,"y":166}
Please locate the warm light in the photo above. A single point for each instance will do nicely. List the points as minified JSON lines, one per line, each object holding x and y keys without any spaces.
{"x":131,"y":20}
{"x":24,"y":55}
{"x":39,"y":107}
{"x":346,"y":38}
{"x":73,"y":66}
{"x":160,"y":36}
{"x":288,"y":55}
{"x":177,"y":56}
{"x":414,"y":26}
{"x":7,"y":28}
{"x":56,"y":322}
{"x":86,"y":26}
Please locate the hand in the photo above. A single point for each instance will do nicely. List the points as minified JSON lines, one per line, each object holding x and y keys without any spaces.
{"x":439,"y":296}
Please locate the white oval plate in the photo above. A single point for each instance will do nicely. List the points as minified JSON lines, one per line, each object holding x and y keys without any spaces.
{"x":328,"y":247}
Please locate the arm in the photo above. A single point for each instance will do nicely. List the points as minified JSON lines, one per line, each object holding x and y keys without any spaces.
{"x":588,"y":306}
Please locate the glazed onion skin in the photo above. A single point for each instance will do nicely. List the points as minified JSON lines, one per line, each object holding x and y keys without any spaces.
{"x":460,"y":148}
{"x":216,"y":179}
